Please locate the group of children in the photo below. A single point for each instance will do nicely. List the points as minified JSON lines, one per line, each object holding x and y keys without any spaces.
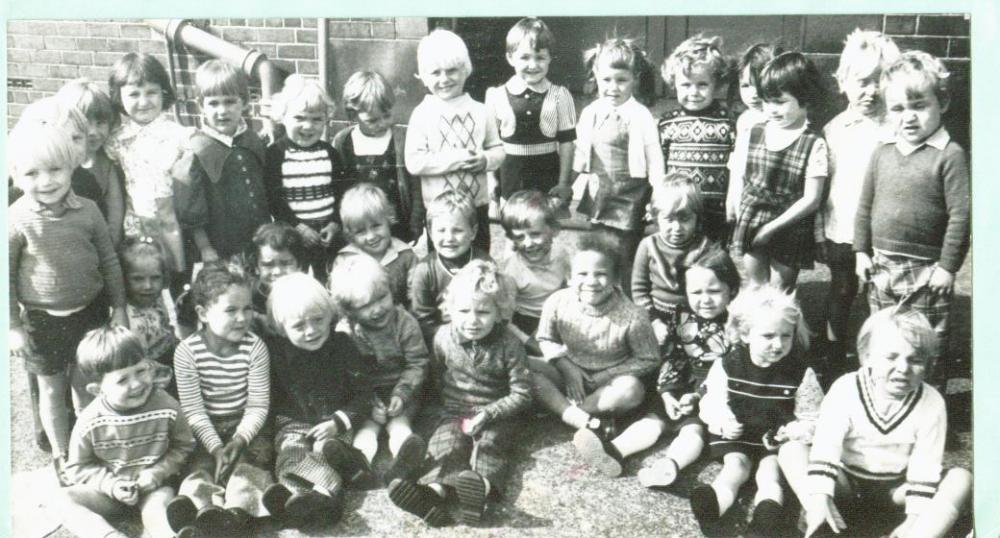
{"x":286,"y":381}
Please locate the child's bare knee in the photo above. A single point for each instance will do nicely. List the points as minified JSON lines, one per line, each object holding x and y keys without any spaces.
{"x":628,"y":390}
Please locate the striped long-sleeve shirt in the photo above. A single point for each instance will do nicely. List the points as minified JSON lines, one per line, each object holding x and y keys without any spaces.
{"x":304,"y":184}
{"x":211,"y":386}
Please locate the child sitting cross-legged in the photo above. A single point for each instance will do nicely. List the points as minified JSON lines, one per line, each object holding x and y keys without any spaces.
{"x":388,"y":337}
{"x":322,"y":394}
{"x":127,"y":444}
{"x":480,"y":367}
{"x":880,"y":438}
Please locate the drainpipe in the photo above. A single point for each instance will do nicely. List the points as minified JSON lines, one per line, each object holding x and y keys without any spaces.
{"x":252,"y":62}
{"x":323,"y":59}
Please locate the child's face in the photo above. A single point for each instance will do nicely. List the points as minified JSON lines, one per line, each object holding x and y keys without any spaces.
{"x":533,"y":242}
{"x":127,"y":388}
{"x":45,"y":183}
{"x":916,"y":114}
{"x":445,"y":82}
{"x":142,"y":102}
{"x":613,"y":83}
{"x":531,"y":65}
{"x":308,"y":330}
{"x":695,"y":90}
{"x":748,"y":92}
{"x":473,"y":317}
{"x":677,"y":226}
{"x":143,"y":281}
{"x":97,"y":133}
{"x":862,"y":92}
{"x":375,"y":123}
{"x":784,"y":111}
{"x":229,"y":315}
{"x":222,"y":112}
{"x":769,"y":338}
{"x":304,"y":126}
{"x":592,"y":277}
{"x":897,"y":369}
{"x":452,"y":235}
{"x":273,"y":264}
{"x":373,"y":237}
{"x":707,"y":296}
{"x":375,"y":313}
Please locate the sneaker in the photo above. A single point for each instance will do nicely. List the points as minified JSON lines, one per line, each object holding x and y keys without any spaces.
{"x":705,"y":505}
{"x":180,"y":513}
{"x":419,"y":500}
{"x":408,"y":460}
{"x":598,"y":453}
{"x":765,"y":521}
{"x":471,"y":490}
{"x":350,"y":463}
{"x":662,"y":474}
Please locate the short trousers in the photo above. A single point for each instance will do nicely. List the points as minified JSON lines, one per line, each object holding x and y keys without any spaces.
{"x":57,"y":337}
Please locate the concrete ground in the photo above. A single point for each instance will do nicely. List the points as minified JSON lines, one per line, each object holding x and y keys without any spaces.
{"x":551,"y":492}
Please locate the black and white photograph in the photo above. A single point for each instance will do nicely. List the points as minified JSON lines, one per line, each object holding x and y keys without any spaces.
{"x":652,"y":275}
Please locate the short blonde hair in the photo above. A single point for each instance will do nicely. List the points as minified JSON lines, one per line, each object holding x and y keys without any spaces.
{"x":910,"y":324}
{"x":61,"y":115}
{"x":920,"y":71}
{"x":697,"y":52}
{"x":452,"y":202}
{"x":678,"y":191}
{"x":442,"y":48}
{"x":32,"y":144}
{"x":748,"y":305}
{"x":355,"y":280}
{"x":216,"y":77}
{"x":292,"y":295}
{"x":865,"y":51}
{"x":301,"y":91}
{"x":364,"y":203}
{"x":482,"y":279}
{"x":368,"y":91}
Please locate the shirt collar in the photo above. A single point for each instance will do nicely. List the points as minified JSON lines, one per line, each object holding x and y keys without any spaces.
{"x":70,"y":201}
{"x":396,"y":247}
{"x":516,"y":85}
{"x":225,"y":139}
{"x":486,"y":340}
{"x":938,"y":141}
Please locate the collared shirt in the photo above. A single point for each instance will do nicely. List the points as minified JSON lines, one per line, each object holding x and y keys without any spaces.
{"x":224,"y":138}
{"x":938,"y":141}
{"x":644,"y":156}
{"x":70,"y":201}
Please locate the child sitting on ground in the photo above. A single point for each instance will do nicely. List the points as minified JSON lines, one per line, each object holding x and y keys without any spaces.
{"x":368,"y":217}
{"x":109,"y":474}
{"x":322,"y":395}
{"x":880,"y":438}
{"x":598,"y":348}
{"x":536,"y":267}
{"x":485,"y":384}
{"x":760,"y":395}
{"x":451,"y":223}
{"x":388,"y":337}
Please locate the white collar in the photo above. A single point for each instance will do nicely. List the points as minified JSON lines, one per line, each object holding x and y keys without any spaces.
{"x":225,"y":139}
{"x":938,"y":141}
{"x":396,"y":247}
{"x":516,"y":85}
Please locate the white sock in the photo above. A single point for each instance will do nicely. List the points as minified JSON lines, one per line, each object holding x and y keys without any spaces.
{"x":321,"y":490}
{"x":725,"y":497}
{"x":489,"y":487}
{"x":576,"y":417}
{"x":438,"y":488}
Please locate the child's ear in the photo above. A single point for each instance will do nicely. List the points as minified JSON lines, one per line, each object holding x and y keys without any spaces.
{"x":201,"y":311}
{"x":510,"y":59}
{"x":94,"y":389}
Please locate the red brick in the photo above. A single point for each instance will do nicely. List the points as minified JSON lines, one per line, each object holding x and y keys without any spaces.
{"x":103,"y":29}
{"x":304,"y":52}
{"x":25,"y":41}
{"x":938,"y":46}
{"x":958,"y":47}
{"x":93,"y":72}
{"x":123,"y":45}
{"x":77,"y":57}
{"x":33,"y":70}
{"x":383,"y":30}
{"x":266,"y":49}
{"x":308,"y":23}
{"x":152,"y":47}
{"x":18,"y":55}
{"x":54,"y":42}
{"x":305,"y":36}
{"x":274,"y":23}
{"x":19,"y":27}
{"x":900,"y":24}
{"x":350,"y":30}
{"x":411,"y":27}
{"x":107,"y":58}
{"x":18,"y":97}
{"x":239,"y":34}
{"x":136,"y":30}
{"x":284,"y":65}
{"x":276,"y":35}
{"x":307,"y":67}
{"x":53,"y":84}
{"x":70,"y":28}
{"x":92,"y":43}
{"x":950,"y":25}
{"x":293,"y":23}
{"x":45,"y":56}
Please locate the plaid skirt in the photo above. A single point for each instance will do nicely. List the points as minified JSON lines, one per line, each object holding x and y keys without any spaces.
{"x":793,"y":246}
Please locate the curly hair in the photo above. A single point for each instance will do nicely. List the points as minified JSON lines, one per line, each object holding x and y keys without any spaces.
{"x":215,"y":279}
{"x":482,"y":279}
{"x":919,"y":71}
{"x":623,"y":53}
{"x":697,"y":52}
{"x":748,"y":306}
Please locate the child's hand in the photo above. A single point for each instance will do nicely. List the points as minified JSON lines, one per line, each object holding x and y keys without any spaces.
{"x":474,"y":425}
{"x":688,"y":403}
{"x":379,"y":413}
{"x":573,"y":378}
{"x":820,"y":509}
{"x":672,"y":406}
{"x":209,"y":255}
{"x":941,"y":281}
{"x":310,"y":237}
{"x":563,"y":192}
{"x":731,"y":429}
{"x":328,"y":233}
{"x":764,"y":235}
{"x":395,"y":406}
{"x":125,"y":491}
{"x":226,"y":458}
{"x":531,"y":348}
{"x":119,"y":317}
{"x":863,"y":266}
{"x":146,"y":481}
{"x":324,"y":430}
{"x":661,"y":331}
{"x":20,"y":343}
{"x":475,"y":163}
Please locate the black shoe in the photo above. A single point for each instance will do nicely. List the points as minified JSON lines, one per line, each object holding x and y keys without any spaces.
{"x":187,"y":532}
{"x":350,"y":462}
{"x":215,"y":521}
{"x":705,"y":505}
{"x":181,"y":513}
{"x":471,"y":491}
{"x":306,"y":509}
{"x":42,"y":441}
{"x":240,"y":523}
{"x":421,"y":501}
{"x":408,"y":460}
{"x":598,"y":452}
{"x":765,"y":520}
{"x":274,"y":499}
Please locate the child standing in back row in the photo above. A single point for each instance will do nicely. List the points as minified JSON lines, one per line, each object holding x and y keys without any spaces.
{"x":853,"y":136}
{"x":911,"y":234}
{"x":536,"y":118}
{"x":698,"y":137}
{"x":452,"y":142}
